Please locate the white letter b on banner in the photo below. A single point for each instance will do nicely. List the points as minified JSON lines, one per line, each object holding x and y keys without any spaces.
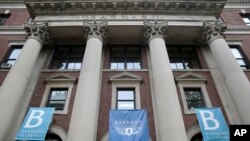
{"x":210,"y":118}
{"x":38,"y":118}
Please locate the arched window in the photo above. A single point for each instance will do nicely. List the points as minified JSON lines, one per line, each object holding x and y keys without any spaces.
{"x":197,"y":137}
{"x":52,"y":137}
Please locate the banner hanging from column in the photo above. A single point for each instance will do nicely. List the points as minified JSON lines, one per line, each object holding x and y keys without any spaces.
{"x":212,"y":123}
{"x":128,"y":125}
{"x":35,"y":124}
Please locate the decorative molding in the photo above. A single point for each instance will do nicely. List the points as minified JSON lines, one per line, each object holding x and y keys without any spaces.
{"x":96,"y":30}
{"x":55,"y":7}
{"x":12,"y":1}
{"x":8,"y":30}
{"x":213,"y":31}
{"x":60,"y":78}
{"x":190,"y":77}
{"x":154,"y":30}
{"x":125,"y":77}
{"x":237,"y":1}
{"x":38,"y":31}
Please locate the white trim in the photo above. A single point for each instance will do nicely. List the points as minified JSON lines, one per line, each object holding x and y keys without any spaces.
{"x":192,"y":83}
{"x":16,"y":42}
{"x":234,"y":42}
{"x":13,"y":5}
{"x":116,"y":85}
{"x":51,"y":85}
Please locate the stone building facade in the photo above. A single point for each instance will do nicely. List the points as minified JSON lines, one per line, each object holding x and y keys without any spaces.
{"x":165,"y":56}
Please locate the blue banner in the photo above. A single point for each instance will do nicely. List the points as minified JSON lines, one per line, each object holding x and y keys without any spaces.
{"x":212,"y":123}
{"x":128,"y":125}
{"x":35,"y":124}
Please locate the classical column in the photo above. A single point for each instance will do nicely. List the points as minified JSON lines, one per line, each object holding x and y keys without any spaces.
{"x":12,"y":90}
{"x":236,"y":80}
{"x":83,"y":124}
{"x":170,"y":125}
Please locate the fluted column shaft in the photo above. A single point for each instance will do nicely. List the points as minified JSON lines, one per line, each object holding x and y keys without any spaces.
{"x":170,"y":125}
{"x":236,"y":80}
{"x":83,"y":124}
{"x":11,"y":92}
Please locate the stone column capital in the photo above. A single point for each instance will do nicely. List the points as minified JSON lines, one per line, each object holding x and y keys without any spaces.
{"x":96,"y":30}
{"x":154,"y":30}
{"x":38,"y":31}
{"x":213,"y":31}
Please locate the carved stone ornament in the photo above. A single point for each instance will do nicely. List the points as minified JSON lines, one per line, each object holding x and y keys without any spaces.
{"x":154,"y":30}
{"x":38,"y":31}
{"x":96,"y":30}
{"x":213,"y":31}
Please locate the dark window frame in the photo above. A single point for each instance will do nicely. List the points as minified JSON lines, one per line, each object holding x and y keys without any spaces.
{"x":125,"y":89}
{"x":68,"y":58}
{"x":197,"y":137}
{"x":244,"y":57}
{"x":125,"y":58}
{"x":52,"y":137}
{"x":49,"y":98}
{"x":245,"y":15}
{"x":197,"y":89}
{"x":9,"y":53}
{"x":182,"y":59}
{"x":4,"y":18}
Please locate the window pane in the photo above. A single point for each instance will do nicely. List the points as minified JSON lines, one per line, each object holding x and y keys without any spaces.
{"x":125,"y":57}
{"x":68,"y":57}
{"x":179,"y":66}
{"x":239,"y":58}
{"x":14,"y":54}
{"x":183,"y":57}
{"x":11,"y":62}
{"x":241,"y":62}
{"x":113,"y":66}
{"x":125,"y":95}
{"x":125,"y":105}
{"x":59,"y":105}
{"x":173,"y":66}
{"x":58,"y":95}
{"x":236,"y":53}
{"x":246,"y":20}
{"x":62,"y":64}
{"x":194,"y":98}
{"x":130,"y":65}
{"x":137,"y":65}
{"x":120,"y":66}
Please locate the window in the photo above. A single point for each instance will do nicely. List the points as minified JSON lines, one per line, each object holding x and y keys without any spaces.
{"x":194,"y":98}
{"x":57,"y":98}
{"x":246,"y":18}
{"x":125,"y":91}
{"x":52,"y":137}
{"x":240,"y":58}
{"x":58,"y":92}
{"x":183,"y":57}
{"x":197,"y":137}
{"x":125,"y":98}
{"x":193,"y":92}
{"x":125,"y":57}
{"x":4,"y":18}
{"x":12,"y":56}
{"x":68,"y":57}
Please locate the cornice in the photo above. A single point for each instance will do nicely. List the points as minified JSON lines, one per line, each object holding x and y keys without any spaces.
{"x":12,"y":1}
{"x":11,"y":30}
{"x":238,"y":1}
{"x":55,"y":7}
